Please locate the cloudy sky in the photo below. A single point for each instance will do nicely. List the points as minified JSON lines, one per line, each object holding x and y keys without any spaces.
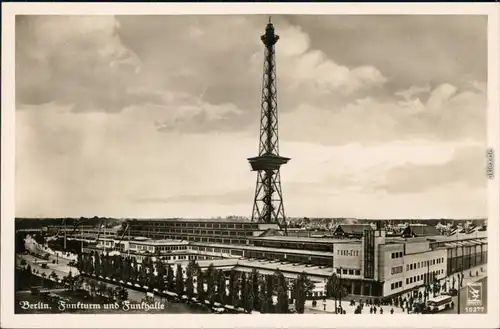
{"x":141,"y":116}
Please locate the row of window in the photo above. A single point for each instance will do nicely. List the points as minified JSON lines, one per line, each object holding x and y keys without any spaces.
{"x":348,"y":252}
{"x":396,"y":270}
{"x":313,"y":260}
{"x":196,"y":225}
{"x":200,"y":239}
{"x":421,"y":277}
{"x":348,"y":271}
{"x":414,"y":266}
{"x":218,"y":250}
{"x":295,"y":245}
{"x":188,"y":231}
{"x":467,"y":250}
{"x":398,"y":254}
{"x":396,"y":285}
{"x":155,"y":248}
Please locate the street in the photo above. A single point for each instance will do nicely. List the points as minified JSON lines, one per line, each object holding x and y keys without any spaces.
{"x":463,"y":299}
{"x":62,"y":269}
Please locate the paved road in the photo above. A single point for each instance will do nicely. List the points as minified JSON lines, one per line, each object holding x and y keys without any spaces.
{"x":62,"y":269}
{"x":463,"y":300}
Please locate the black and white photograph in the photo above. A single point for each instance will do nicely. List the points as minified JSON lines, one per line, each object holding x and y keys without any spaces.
{"x":266,"y":163}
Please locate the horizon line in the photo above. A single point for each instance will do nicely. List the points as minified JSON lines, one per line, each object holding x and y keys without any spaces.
{"x":245,"y":217}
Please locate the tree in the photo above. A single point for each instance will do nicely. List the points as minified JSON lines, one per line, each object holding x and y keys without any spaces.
{"x":281,"y":292}
{"x":142,"y":274}
{"x":160,"y":277}
{"x":221,"y":287}
{"x":200,"y":290}
{"x":179,"y":280}
{"x":98,"y":266}
{"x":150,"y":271}
{"x":170,"y":278}
{"x":232,"y":278}
{"x":211,"y":277}
{"x":248,"y":296}
{"x":269,"y":293}
{"x":301,"y":289}
{"x":121,"y":294}
{"x":79,"y":262}
{"x":53,"y":275}
{"x":92,"y":285}
{"x":133,"y":270}
{"x":190,"y":270}
{"x":331,"y":285}
{"x":234,"y":289}
{"x":116,"y":267}
{"x":125,"y":274}
{"x":254,"y":279}
{"x":110,"y":292}
{"x":243,"y":289}
{"x":264,"y":306}
{"x":101,"y":288}
{"x":90,"y":268}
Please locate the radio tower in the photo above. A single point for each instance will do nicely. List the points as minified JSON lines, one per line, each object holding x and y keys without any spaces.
{"x":268,"y":201}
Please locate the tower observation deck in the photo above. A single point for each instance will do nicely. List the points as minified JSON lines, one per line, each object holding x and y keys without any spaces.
{"x":268,"y":201}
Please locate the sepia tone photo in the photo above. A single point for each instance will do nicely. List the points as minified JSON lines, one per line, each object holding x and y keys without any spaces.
{"x":251,"y":164}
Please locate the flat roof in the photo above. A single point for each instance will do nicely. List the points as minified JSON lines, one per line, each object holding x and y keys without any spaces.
{"x":306,"y":239}
{"x":212,"y":220}
{"x":461,"y":236}
{"x":159,"y":242}
{"x":285,"y":267}
{"x":439,"y":238}
{"x":265,"y":249}
{"x":215,"y":262}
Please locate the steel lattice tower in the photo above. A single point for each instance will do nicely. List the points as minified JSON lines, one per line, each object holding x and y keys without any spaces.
{"x":268,"y":201}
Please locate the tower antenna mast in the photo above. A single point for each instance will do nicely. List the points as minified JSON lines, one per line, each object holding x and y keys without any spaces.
{"x":268,"y":200}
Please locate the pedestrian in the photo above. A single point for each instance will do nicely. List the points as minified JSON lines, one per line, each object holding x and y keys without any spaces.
{"x":392,"y":310}
{"x":371,"y":310}
{"x":381,"y":310}
{"x":324,"y":304}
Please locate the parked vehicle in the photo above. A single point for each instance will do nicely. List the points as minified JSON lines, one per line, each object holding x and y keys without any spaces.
{"x":439,"y":303}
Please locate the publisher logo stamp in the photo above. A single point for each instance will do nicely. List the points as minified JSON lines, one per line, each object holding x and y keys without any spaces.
{"x":475,"y":294}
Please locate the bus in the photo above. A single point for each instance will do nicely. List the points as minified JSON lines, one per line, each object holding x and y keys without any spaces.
{"x":439,"y":303}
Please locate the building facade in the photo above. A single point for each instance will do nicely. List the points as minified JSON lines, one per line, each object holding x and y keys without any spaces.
{"x":373,"y":265}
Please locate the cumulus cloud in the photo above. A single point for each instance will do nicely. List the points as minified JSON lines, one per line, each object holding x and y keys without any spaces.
{"x":466,"y":165}
{"x":155,"y":116}
{"x":448,"y":114}
{"x":78,"y":61}
{"x":303,"y":67}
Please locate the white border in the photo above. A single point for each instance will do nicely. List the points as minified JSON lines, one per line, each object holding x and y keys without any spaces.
{"x":8,"y":319}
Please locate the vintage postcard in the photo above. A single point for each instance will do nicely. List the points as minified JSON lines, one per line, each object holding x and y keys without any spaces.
{"x":268,"y":165}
